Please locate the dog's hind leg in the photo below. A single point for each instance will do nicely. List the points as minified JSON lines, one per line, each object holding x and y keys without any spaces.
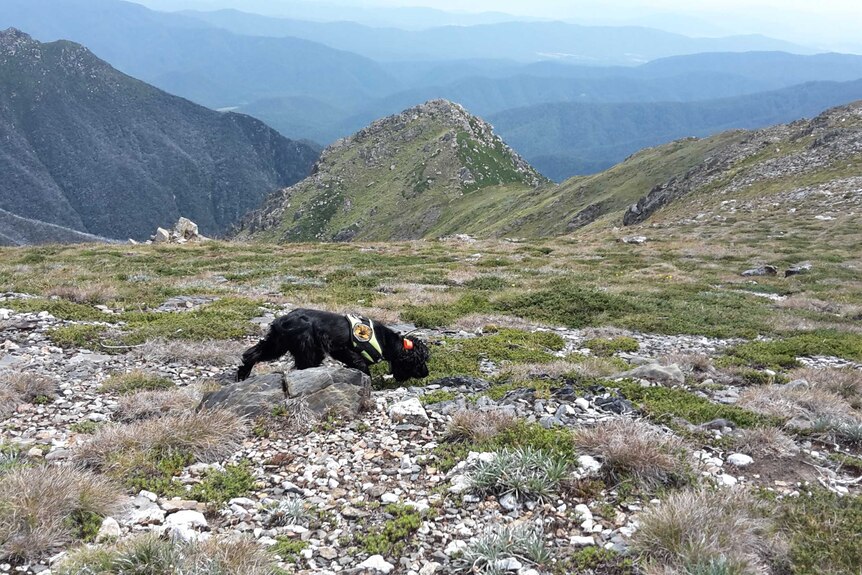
{"x":268,"y":349}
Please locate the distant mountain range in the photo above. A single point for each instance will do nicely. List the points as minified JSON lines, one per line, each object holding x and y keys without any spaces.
{"x":88,"y":151}
{"x":584,"y":138}
{"x":524,"y":41}
{"x":315,"y":81}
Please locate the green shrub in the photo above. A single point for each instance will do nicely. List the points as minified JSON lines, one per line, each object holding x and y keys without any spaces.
{"x":59,"y":308}
{"x":662,"y":404}
{"x":782,"y":353}
{"x":135,"y":381}
{"x":607,"y":347}
{"x":462,"y":356}
{"x":823,"y":531}
{"x":392,"y":537}
{"x":221,"y":486}
{"x":288,"y":549}
{"x":566,"y":304}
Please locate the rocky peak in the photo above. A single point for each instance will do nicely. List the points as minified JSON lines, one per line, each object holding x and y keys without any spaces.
{"x":13,"y":42}
{"x":422,"y":161}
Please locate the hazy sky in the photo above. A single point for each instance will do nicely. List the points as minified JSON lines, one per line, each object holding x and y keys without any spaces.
{"x":827,"y":20}
{"x":826,"y":24}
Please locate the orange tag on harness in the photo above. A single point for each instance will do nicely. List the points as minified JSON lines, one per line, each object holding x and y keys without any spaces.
{"x":408,"y":344}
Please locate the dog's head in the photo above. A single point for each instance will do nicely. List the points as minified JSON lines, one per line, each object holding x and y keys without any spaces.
{"x":411,"y":361}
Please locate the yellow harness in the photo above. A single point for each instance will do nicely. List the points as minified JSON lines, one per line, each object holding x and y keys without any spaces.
{"x":365,"y":339}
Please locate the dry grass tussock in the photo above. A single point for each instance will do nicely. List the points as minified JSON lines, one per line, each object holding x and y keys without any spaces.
{"x":151,"y":404}
{"x":147,"y":554}
{"x":97,"y":293}
{"x":44,"y":507}
{"x":703,"y":531}
{"x":762,"y":442}
{"x":798,"y":402}
{"x":17,"y":388}
{"x":475,"y":426}
{"x":844,"y":382}
{"x":637,"y":450}
{"x":221,"y":353}
{"x":208,"y":436}
{"x":696,"y":363}
{"x":605,"y":332}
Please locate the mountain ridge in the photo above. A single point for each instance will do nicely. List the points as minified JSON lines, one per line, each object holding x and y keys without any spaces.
{"x":407,"y":176}
{"x":93,"y":150}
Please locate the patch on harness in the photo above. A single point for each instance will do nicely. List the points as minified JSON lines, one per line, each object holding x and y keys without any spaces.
{"x":362,"y":332}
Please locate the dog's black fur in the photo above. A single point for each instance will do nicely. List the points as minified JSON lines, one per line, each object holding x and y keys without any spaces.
{"x":309,"y":335}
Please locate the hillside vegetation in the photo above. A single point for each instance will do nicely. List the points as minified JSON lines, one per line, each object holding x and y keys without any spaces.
{"x":92,"y":150}
{"x":427,"y":172}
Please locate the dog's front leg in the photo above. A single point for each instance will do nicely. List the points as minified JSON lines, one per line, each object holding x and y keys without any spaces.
{"x":351,"y":358}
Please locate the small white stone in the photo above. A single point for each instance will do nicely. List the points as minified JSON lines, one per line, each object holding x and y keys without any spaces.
{"x":109,"y":531}
{"x":582,"y":541}
{"x":430,"y":568}
{"x":377,"y":563}
{"x":728,"y":480}
{"x":456,"y":546}
{"x":740,"y":460}
{"x":389,"y":498}
{"x":186,"y":518}
{"x":582,"y":403}
{"x":509,"y":502}
{"x":588,"y":464}
{"x":409,"y":411}
{"x":507,"y":564}
{"x":583,"y":512}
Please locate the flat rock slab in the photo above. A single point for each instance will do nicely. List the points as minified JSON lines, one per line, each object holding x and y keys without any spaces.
{"x":324,"y":389}
{"x":254,"y":397}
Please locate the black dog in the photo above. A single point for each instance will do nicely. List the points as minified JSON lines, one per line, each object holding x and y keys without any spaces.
{"x":309,"y":335}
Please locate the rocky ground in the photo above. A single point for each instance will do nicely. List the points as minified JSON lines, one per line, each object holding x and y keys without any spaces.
{"x":348,"y":472}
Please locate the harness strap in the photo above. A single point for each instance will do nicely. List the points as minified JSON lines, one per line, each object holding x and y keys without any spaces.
{"x":365,"y":338}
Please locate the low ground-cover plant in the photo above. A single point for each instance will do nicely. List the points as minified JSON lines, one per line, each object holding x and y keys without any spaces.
{"x":823,"y":532}
{"x":607,"y":347}
{"x":524,"y":472}
{"x":461,"y":356}
{"x":663,"y":404}
{"x":782,"y":353}
{"x":485,"y":553}
{"x":44,"y":507}
{"x":220,"y":486}
{"x":149,"y":555}
{"x":391,"y":538}
{"x":135,"y":381}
